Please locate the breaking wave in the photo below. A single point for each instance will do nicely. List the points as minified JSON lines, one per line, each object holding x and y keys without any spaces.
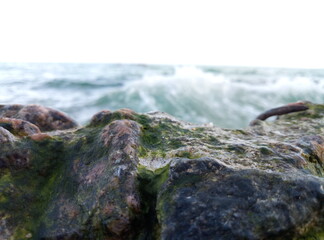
{"x":225,"y":96}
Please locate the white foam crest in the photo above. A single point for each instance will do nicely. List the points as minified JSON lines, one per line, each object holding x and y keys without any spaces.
{"x":226,"y":97}
{"x":298,"y":84}
{"x":196,"y":95}
{"x":184,"y":78}
{"x":284,"y":83}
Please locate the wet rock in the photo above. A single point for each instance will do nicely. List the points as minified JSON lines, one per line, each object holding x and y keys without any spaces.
{"x":6,"y":136}
{"x":10,"y":110}
{"x":215,"y":201}
{"x":14,"y":160}
{"x":151,"y":176}
{"x":104,"y":117}
{"x":47,"y":119}
{"x":264,"y":182}
{"x":40,"y":136}
{"x":19,"y":127}
{"x":82,"y":189}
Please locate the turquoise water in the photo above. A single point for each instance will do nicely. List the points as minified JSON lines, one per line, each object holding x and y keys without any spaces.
{"x":225,"y":96}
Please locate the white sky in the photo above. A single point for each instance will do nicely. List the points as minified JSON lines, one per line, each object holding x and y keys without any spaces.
{"x":277,"y":33}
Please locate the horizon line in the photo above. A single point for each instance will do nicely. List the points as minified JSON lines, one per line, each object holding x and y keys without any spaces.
{"x":163,"y":64}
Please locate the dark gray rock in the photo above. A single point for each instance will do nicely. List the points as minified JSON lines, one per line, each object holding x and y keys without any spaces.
{"x":204,"y":199}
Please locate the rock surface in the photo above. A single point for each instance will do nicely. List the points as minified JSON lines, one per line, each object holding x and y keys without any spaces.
{"x":47,"y":119}
{"x":150,"y":176}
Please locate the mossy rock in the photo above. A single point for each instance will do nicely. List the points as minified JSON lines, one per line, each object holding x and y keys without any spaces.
{"x":150,"y":176}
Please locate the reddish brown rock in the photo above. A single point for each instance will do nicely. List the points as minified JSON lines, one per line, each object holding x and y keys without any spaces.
{"x":6,"y":136}
{"x":15,"y":160}
{"x":100,"y":117}
{"x":10,"y":110}
{"x":104,"y":117}
{"x":40,"y":136}
{"x":19,"y":127}
{"x":47,"y":119}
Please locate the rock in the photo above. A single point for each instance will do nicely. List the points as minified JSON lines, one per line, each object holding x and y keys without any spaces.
{"x":106,"y":116}
{"x":47,"y":119}
{"x":150,"y":176}
{"x":74,"y":190}
{"x":6,"y":136}
{"x":19,"y":127}
{"x":215,"y":201}
{"x":264,"y":182}
{"x":40,"y":136}
{"x":89,"y":200}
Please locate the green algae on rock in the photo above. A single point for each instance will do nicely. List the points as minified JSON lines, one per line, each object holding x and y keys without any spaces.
{"x":150,"y":176}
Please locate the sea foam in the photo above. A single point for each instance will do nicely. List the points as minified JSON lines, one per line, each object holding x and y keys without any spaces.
{"x":225,"y":96}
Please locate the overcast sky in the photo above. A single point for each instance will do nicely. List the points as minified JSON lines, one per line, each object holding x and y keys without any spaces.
{"x":274,"y":33}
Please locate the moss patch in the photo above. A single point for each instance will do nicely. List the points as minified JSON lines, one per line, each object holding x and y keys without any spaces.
{"x":26,"y":191}
{"x":313,"y":235}
{"x":150,"y":182}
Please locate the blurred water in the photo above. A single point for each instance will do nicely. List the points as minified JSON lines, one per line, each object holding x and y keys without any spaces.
{"x":226,"y":96}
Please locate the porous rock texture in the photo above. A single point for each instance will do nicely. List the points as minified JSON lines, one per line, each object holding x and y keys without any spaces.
{"x":47,"y":119}
{"x":150,"y":176}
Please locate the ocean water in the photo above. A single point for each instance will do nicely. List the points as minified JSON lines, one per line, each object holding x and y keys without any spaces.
{"x":228,"y":97}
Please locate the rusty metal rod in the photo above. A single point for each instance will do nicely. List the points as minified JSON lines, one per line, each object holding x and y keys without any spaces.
{"x":289,"y":108}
